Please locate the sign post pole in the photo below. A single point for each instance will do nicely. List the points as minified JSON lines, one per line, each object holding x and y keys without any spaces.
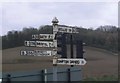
{"x":54,"y":68}
{"x":71,"y":46}
{"x":55,"y":30}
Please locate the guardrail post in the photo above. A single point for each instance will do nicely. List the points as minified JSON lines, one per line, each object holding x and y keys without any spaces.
{"x":45,"y":75}
{"x":8,"y":78}
{"x":69,"y":75}
{"x":55,"y":73}
{"x":42,"y":76}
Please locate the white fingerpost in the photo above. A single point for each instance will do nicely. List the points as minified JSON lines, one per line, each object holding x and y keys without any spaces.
{"x":55,"y":30}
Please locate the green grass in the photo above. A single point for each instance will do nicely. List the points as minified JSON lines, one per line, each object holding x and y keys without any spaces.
{"x":103,"y":78}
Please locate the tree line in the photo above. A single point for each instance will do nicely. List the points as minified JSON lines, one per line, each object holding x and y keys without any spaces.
{"x":105,"y":37}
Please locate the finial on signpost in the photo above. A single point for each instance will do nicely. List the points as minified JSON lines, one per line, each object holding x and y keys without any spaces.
{"x":55,"y":21}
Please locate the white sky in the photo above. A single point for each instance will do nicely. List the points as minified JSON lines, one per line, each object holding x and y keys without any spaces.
{"x":16,"y":15}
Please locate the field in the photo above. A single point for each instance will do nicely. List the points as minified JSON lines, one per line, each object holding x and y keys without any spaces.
{"x":99,"y":62}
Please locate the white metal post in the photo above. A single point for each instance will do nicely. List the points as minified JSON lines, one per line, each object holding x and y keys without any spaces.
{"x":45,"y":75}
{"x":54,"y":73}
{"x":55,"y":30}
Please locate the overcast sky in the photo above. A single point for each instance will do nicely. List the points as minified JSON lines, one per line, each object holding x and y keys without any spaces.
{"x":17,"y":15}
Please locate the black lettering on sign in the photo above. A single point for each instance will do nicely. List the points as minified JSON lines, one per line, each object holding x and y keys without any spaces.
{"x":35,"y":36}
{"x":42,"y":44}
{"x":50,"y":44}
{"x":74,"y":61}
{"x":65,"y":30}
{"x":82,"y":62}
{"x":77,"y":62}
{"x":50,"y":36}
{"x":71,"y":61}
{"x":65,"y":61}
{"x":69,"y":30}
{"x":32,"y":43}
{"x":41,"y":36}
{"x":27,"y":43}
{"x":62,"y":30}
{"x":23,"y":53}
{"x":60,"y":61}
{"x":30,"y":52}
{"x":59,"y":29}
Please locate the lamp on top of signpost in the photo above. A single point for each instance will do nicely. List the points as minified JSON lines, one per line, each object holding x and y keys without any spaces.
{"x":55,"y":27}
{"x":55,"y":21}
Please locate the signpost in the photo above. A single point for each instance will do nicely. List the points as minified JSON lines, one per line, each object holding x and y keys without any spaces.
{"x":67,"y":30}
{"x":46,"y":43}
{"x":36,"y":53}
{"x":42,"y":36}
{"x":71,"y":61}
{"x":39,"y":43}
{"x":30,"y":43}
{"x":55,"y":30}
